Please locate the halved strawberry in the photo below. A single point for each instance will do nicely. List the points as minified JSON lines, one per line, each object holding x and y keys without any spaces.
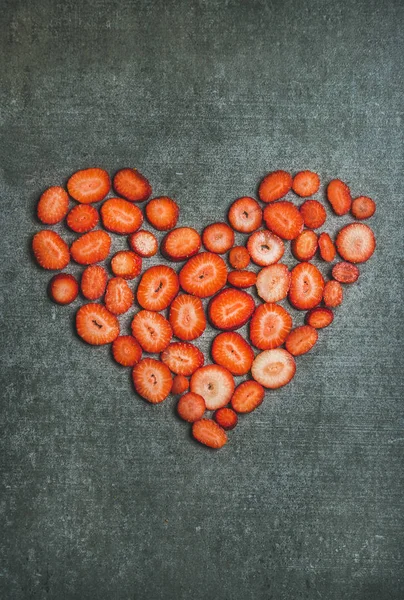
{"x":180,"y":385}
{"x":269,"y":326}
{"x":333,"y":294}
{"x":284,"y":219}
{"x":203,"y":274}
{"x":182,"y":358}
{"x":152,"y":380}
{"x":89,"y":185}
{"x":306,"y":183}
{"x":339,"y":196}
{"x":181,"y":243}
{"x":248,"y":396}
{"x":230,"y":309}
{"x":152,"y":331}
{"x":274,"y":186}
{"x":265,"y":248}
{"x":305,"y":245}
{"x":209,"y":433}
{"x":313,"y":213}
{"x":121,"y":216}
{"x":96,"y":325}
{"x":53,"y":205}
{"x":363,"y":207}
{"x":118,"y":296}
{"x":50,"y":250}
{"x":215,"y":384}
{"x":356,"y":242}
{"x":162,"y":213}
{"x":126,"y":350}
{"x":132,"y":185}
{"x":326,"y":247}
{"x":63,"y":288}
{"x":239,"y":257}
{"x":218,"y":238}
{"x":230,"y":350}
{"x":187,"y":317}
{"x":319,"y":317}
{"x":93,"y":282}
{"x":191,"y":407}
{"x":241,"y":279}
{"x":126,"y":264}
{"x":157,"y":288}
{"x":273,"y":282}
{"x":306,"y":286}
{"x":273,"y":368}
{"x":82,"y":218}
{"x":245,"y":215}
{"x":226,"y":418}
{"x":345,"y":272}
{"x":301,"y":339}
{"x":91,"y":247}
{"x":144,"y":243}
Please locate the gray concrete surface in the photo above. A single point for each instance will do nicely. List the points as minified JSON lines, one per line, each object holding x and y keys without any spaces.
{"x":106,"y":497}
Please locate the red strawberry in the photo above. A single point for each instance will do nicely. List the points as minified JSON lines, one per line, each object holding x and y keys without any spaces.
{"x":332,"y":294}
{"x":209,"y":433}
{"x":230,"y":350}
{"x":313,"y":213}
{"x":230,"y":309}
{"x":118,"y":297}
{"x":356,"y":242}
{"x":283,"y":219}
{"x":218,"y":238}
{"x":63,"y":288}
{"x":269,"y":326}
{"x":132,"y":185}
{"x":301,"y":339}
{"x":226,"y":418}
{"x":306,"y":183}
{"x":82,"y":218}
{"x":121,"y":216}
{"x":157,"y":288}
{"x":182,"y":358}
{"x":345,"y":272}
{"x":96,"y":325}
{"x":152,"y":380}
{"x":326,"y":247}
{"x":180,"y":244}
{"x":53,"y":205}
{"x":89,"y":185}
{"x":273,"y":282}
{"x":187,"y":317}
{"x":245,"y":215}
{"x":306,"y":286}
{"x":191,"y":407}
{"x":91,"y":247}
{"x":162,"y":213}
{"x":363,"y":207}
{"x":339,"y":196}
{"x":126,"y":350}
{"x":274,"y":186}
{"x":126,"y":264}
{"x":180,"y":385}
{"x":144,"y":243}
{"x":215,"y":384}
{"x":203,"y":275}
{"x":305,"y":245}
{"x":152,"y":331}
{"x":265,"y":248}
{"x":239,"y":257}
{"x":50,"y":250}
{"x":241,"y":279}
{"x":93,"y":282}
{"x":319,"y":317}
{"x":273,"y":368}
{"x":247,"y":396}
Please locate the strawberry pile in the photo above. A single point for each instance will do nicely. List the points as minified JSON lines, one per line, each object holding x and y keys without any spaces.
{"x":169,"y":313}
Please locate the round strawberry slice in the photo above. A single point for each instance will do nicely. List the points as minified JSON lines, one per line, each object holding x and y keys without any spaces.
{"x":273,"y":368}
{"x":162,"y":213}
{"x":152,"y":380}
{"x":306,"y":183}
{"x":121,"y":216}
{"x":333,"y":294}
{"x":187,"y":317}
{"x":245,"y":215}
{"x":301,"y":339}
{"x":273,"y":282}
{"x":226,"y":418}
{"x":230,"y":350}
{"x":144,"y":243}
{"x":356,"y":243}
{"x":306,"y":286}
{"x":345,"y":272}
{"x":89,"y":185}
{"x":53,"y":205}
{"x":96,"y":325}
{"x":305,"y":245}
{"x":242,"y":279}
{"x":239,"y":257}
{"x":126,"y":351}
{"x":247,"y":396}
{"x":363,"y":207}
{"x":82,"y":218}
{"x":91,"y":247}
{"x":180,"y":385}
{"x":339,"y":196}
{"x":191,"y":407}
{"x":50,"y":250}
{"x":319,"y":317}
{"x":157,"y":288}
{"x":118,"y":296}
{"x":218,"y":238}
{"x":274,"y":186}
{"x":152,"y":331}
{"x":230,"y":309}
{"x":209,"y":433}
{"x":215,"y":384}
{"x":181,"y":243}
{"x":63,"y":288}
{"x":132,"y":185}
{"x":283,"y":219}
{"x":182,"y":358}
{"x":93,"y":282}
{"x":203,"y":275}
{"x":313,"y":213}
{"x":265,"y":248}
{"x":269,"y":326}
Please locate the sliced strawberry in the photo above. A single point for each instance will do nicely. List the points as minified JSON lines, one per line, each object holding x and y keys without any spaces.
{"x":301,"y":339}
{"x":313,"y":213}
{"x":157,"y":288}
{"x":333,"y":294}
{"x":241,"y":279}
{"x":126,"y":264}
{"x":265,"y":248}
{"x":363,"y":207}
{"x":230,"y":350}
{"x":305,"y":245}
{"x":152,"y":331}
{"x":132,"y":185}
{"x":273,"y":282}
{"x":53,"y":205}
{"x":118,"y":297}
{"x":245,"y":215}
{"x":152,"y":380}
{"x":248,"y":396}
{"x":91,"y":247}
{"x":306,"y":286}
{"x":269,"y":326}
{"x":319,"y":317}
{"x":215,"y":384}
{"x":339,"y":196}
{"x":274,"y":186}
{"x":326,"y":247}
{"x":63,"y":288}
{"x":209,"y":433}
{"x":182,"y":358}
{"x":230,"y":309}
{"x":283,"y":219}
{"x":273,"y":368}
{"x":96,"y":325}
{"x":356,"y":242}
{"x":203,"y":275}
{"x":121,"y":216}
{"x":306,"y":183}
{"x":218,"y":238}
{"x":82,"y":218}
{"x":181,"y":385}
{"x":345,"y":272}
{"x":226,"y":418}
{"x":239,"y":257}
{"x":162,"y":213}
{"x":181,"y":243}
{"x":89,"y":185}
{"x":187,"y":317}
{"x":93,"y":282}
{"x":191,"y":407}
{"x":50,"y":250}
{"x":144,"y":243}
{"x":126,"y":350}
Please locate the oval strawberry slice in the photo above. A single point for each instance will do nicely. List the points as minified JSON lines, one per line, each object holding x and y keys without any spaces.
{"x":345,"y":272}
{"x":162,"y":213}
{"x":96,"y":325}
{"x":218,"y":238}
{"x":180,"y":385}
{"x":313,"y":213}
{"x":226,"y":418}
{"x":242,"y":279}
{"x":269,"y":326}
{"x":89,"y":185}
{"x":118,"y":296}
{"x":82,"y":218}
{"x":126,"y":264}
{"x":301,"y":339}
{"x":91,"y":247}
{"x":230,"y":350}
{"x":132,"y":185}
{"x":230,"y":309}
{"x":215,"y":384}
{"x":121,"y":216}
{"x":181,"y":243}
{"x":126,"y":350}
{"x":203,"y":275}
{"x":283,"y":219}
{"x":245,"y":215}
{"x":144,"y":243}
{"x":191,"y":407}
{"x":273,"y":368}
{"x":265,"y":248}
{"x":152,"y":331}
{"x":306,"y":286}
{"x":274,"y":186}
{"x":247,"y":396}
{"x":157,"y":288}
{"x":50,"y":250}
{"x":326,"y":247}
{"x":152,"y":380}
{"x":306,"y":183}
{"x":53,"y":205}
{"x":339,"y":196}
{"x":187,"y":317}
{"x":182,"y":358}
{"x":305,"y":245}
{"x":93,"y":282}
{"x":333,"y":294}
{"x":273,"y":282}
{"x":209,"y":433}
{"x":319,"y":317}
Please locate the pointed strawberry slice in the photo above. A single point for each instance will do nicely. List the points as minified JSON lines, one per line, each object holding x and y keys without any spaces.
{"x":283,"y":219}
{"x":118,"y":297}
{"x":181,"y":385}
{"x":306,"y":286}
{"x":305,"y":245}
{"x":181,"y":243}
{"x":301,"y":339}
{"x":93,"y":282}
{"x":313,"y":213}
{"x":326,"y":247}
{"x":245,"y":215}
{"x":306,"y":183}
{"x":152,"y":331}
{"x":63,"y":288}
{"x":230,"y":350}
{"x":182,"y":358}
{"x":187,"y":317}
{"x":121,"y":216}
{"x":269,"y":326}
{"x":152,"y":380}
{"x":248,"y":396}
{"x":273,"y":282}
{"x":144,"y":243}
{"x":126,"y":351}
{"x":230,"y":309}
{"x":157,"y":288}
{"x":218,"y":238}
{"x":333,"y":294}
{"x":89,"y":185}
{"x":203,"y":275}
{"x":215,"y":384}
{"x":50,"y":250}
{"x":319,"y":317}
{"x":191,"y":407}
{"x":339,"y":196}
{"x":132,"y":185}
{"x":126,"y":264}
{"x":162,"y":213}
{"x":273,"y":368}
{"x":82,"y":218}
{"x":96,"y":325}
{"x":242,"y":279}
{"x":345,"y":272}
{"x":274,"y":186}
{"x":363,"y":207}
{"x":265,"y":248}
{"x":209,"y":433}
{"x":239,"y":257}
{"x":226,"y":418}
{"x":356,"y":243}
{"x":53,"y":205}
{"x":91,"y":247}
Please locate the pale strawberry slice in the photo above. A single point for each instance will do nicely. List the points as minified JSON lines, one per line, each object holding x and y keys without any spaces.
{"x":181,"y":385}
{"x":157,"y":288}
{"x":273,"y":368}
{"x":89,"y":185}
{"x":162,"y":213}
{"x":284,"y":219}
{"x":82,"y":218}
{"x":187,"y":317}
{"x":96,"y":325}
{"x":356,"y":243}
{"x":209,"y":433}
{"x":152,"y":380}
{"x":245,"y":215}
{"x":306,"y":286}
{"x":118,"y":296}
{"x":333,"y":294}
{"x":203,"y":274}
{"x":63,"y":288}
{"x":248,"y":396}
{"x":191,"y":407}
{"x":215,"y":384}
{"x":319,"y":317}
{"x":363,"y":207}
{"x":91,"y":247}
{"x":144,"y":243}
{"x":305,"y":245}
{"x":126,"y":351}
{"x":93,"y":282}
{"x":326,"y":247}
{"x":132,"y":185}
{"x":53,"y":205}
{"x":181,"y":243}
{"x":345,"y":272}
{"x":274,"y":186}
{"x":239,"y":257}
{"x":242,"y":279}
{"x":313,"y":213}
{"x":182,"y":358}
{"x":218,"y":238}
{"x":265,"y":248}
{"x":50,"y":250}
{"x":230,"y":309}
{"x":121,"y":216}
{"x":152,"y":331}
{"x":226,"y":418}
{"x":126,"y":264}
{"x":306,"y":183}
{"x":339,"y":196}
{"x":301,"y":339}
{"x":273,"y":282}
{"x":269,"y":326}
{"x":230,"y":350}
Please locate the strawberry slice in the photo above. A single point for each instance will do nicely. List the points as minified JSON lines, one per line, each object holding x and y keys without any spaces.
{"x":121,"y":216}
{"x":269,"y":326}
{"x":306,"y":286}
{"x":305,"y":245}
{"x":187,"y":317}
{"x":283,"y":219}
{"x":333,"y":294}
{"x":274,"y":186}
{"x":319,"y":317}
{"x":345,"y":272}
{"x":226,"y":418}
{"x":203,"y":275}
{"x":248,"y":396}
{"x":82,"y":218}
{"x":50,"y":250}
{"x":96,"y":325}
{"x":239,"y":257}
{"x":326,"y":247}
{"x":242,"y":279}
{"x":144,"y":243}
{"x":301,"y":339}
{"x":118,"y":297}
{"x":306,"y":183}
{"x":126,"y":350}
{"x":93,"y":282}
{"x":215,"y":384}
{"x":313,"y":213}
{"x":152,"y":331}
{"x":162,"y":213}
{"x":181,"y":385}
{"x":245,"y":215}
{"x":230,"y":350}
{"x":273,"y":282}
{"x":209,"y":433}
{"x":157,"y":288}
{"x":356,"y":242}
{"x":181,"y":243}
{"x":230,"y":309}
{"x":53,"y":205}
{"x":265,"y":248}
{"x":63,"y":288}
{"x":91,"y":247}
{"x":363,"y":207}
{"x":191,"y":407}
{"x":182,"y":358}
{"x":89,"y":185}
{"x":339,"y":196}
{"x":132,"y":185}
{"x":273,"y":368}
{"x":126,"y":264}
{"x":218,"y":238}
{"x":152,"y":380}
